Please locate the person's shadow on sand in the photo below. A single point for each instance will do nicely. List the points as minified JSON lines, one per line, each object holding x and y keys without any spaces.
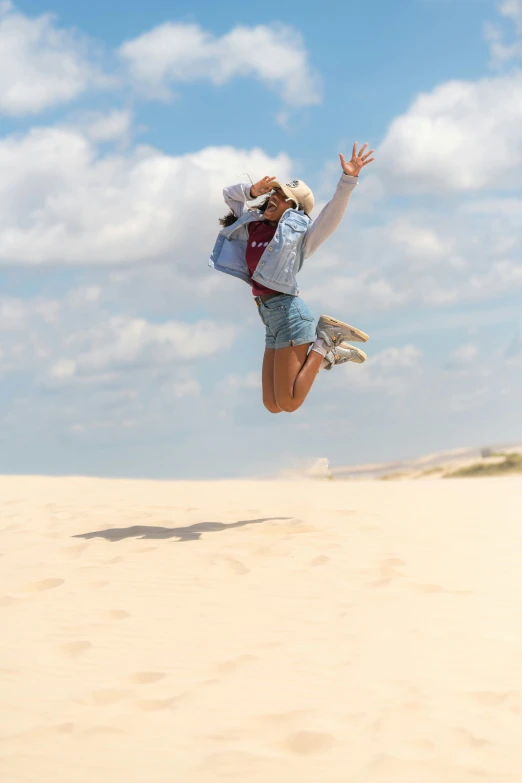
{"x":190,"y":533}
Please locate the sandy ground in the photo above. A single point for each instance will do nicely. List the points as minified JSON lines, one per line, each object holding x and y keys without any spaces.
{"x":280,"y":632}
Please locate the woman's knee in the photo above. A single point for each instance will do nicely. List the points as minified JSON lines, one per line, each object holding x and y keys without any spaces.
{"x":289,"y":405}
{"x":272,"y":406}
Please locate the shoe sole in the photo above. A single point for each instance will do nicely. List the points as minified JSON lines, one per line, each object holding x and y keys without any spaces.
{"x":356,"y":335}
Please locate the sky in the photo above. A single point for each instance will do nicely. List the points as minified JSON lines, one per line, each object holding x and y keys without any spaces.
{"x":123,"y":354}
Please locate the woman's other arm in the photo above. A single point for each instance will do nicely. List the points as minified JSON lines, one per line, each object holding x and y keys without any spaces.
{"x":236,"y":196}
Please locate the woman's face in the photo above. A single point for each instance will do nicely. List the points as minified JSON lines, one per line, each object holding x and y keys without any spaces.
{"x":277,"y":206}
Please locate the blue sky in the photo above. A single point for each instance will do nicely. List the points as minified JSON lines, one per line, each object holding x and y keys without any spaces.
{"x":122,"y":354}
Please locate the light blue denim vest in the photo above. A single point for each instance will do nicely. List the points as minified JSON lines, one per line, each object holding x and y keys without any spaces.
{"x":281,"y":260}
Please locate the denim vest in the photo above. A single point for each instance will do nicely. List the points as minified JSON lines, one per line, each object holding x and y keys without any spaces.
{"x":281,"y":260}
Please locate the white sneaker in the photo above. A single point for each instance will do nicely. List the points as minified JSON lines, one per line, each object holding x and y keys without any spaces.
{"x":344,"y":353}
{"x":335,"y":332}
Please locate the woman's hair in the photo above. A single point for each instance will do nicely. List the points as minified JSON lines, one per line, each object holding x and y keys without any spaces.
{"x":230,"y":219}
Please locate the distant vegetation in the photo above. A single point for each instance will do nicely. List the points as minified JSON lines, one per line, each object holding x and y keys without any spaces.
{"x":509,"y":465}
{"x":431,"y":472}
{"x":393,"y":476}
{"x":494,"y":463}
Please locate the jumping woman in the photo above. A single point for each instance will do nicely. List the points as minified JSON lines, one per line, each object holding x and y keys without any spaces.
{"x":265,"y":245}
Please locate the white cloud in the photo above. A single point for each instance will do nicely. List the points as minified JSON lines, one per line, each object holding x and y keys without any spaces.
{"x":41,"y":64}
{"x":462,"y":136}
{"x":110,"y":127}
{"x":186,"y":388}
{"x":469,"y":400}
{"x":61,"y":202}
{"x":17,"y":314}
{"x":419,"y":242}
{"x":122,"y":342}
{"x":411,"y":257}
{"x":176,"y":53}
{"x":74,"y":342}
{"x":515,"y":347}
{"x":512,"y":9}
{"x":234,"y":383}
{"x":501,"y":51}
{"x":408,"y":356}
{"x":64,"y":368}
{"x":394,"y":371}
{"x":463,"y":356}
{"x":386,"y":290}
{"x":504,"y":207}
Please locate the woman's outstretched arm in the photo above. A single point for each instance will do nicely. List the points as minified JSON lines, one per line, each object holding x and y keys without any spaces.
{"x":332,"y":214}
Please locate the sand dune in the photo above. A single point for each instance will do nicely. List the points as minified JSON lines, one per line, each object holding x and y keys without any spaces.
{"x":260,"y":631}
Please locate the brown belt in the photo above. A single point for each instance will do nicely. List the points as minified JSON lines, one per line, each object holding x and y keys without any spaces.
{"x":265,"y":297}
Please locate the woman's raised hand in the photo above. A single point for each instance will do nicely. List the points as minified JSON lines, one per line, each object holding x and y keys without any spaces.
{"x":263,"y":186}
{"x":358,"y":161}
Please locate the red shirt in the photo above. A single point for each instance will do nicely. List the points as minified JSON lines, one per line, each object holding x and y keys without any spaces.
{"x":260,"y":234}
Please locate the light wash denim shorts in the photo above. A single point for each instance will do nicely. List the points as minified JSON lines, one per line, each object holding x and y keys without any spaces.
{"x":288,"y":321}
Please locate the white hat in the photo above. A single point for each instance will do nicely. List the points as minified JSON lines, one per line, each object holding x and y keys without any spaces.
{"x":299,"y":192}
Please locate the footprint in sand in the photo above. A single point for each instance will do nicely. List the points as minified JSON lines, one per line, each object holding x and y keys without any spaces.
{"x":276,"y":721}
{"x":104,"y":730}
{"x":226,"y":736}
{"x":117,"y":614}
{"x":490,"y":698}
{"x":319,"y":561}
{"x":75,"y":550}
{"x":429,"y":588}
{"x":232,"y":666}
{"x":155,"y":705}
{"x":109,"y":696}
{"x":64,"y":728}
{"x":472,"y":739}
{"x":74,"y":649}
{"x":388,"y":568}
{"x":40,"y":587}
{"x":306,"y":743}
{"x":380,"y":583}
{"x":237,"y":567}
{"x":146,"y":678}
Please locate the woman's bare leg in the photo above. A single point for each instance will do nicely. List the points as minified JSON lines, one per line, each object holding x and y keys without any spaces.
{"x":295,"y":371}
{"x":269,"y":399}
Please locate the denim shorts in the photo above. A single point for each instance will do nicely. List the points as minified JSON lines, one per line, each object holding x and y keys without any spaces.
{"x":288,"y":321}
